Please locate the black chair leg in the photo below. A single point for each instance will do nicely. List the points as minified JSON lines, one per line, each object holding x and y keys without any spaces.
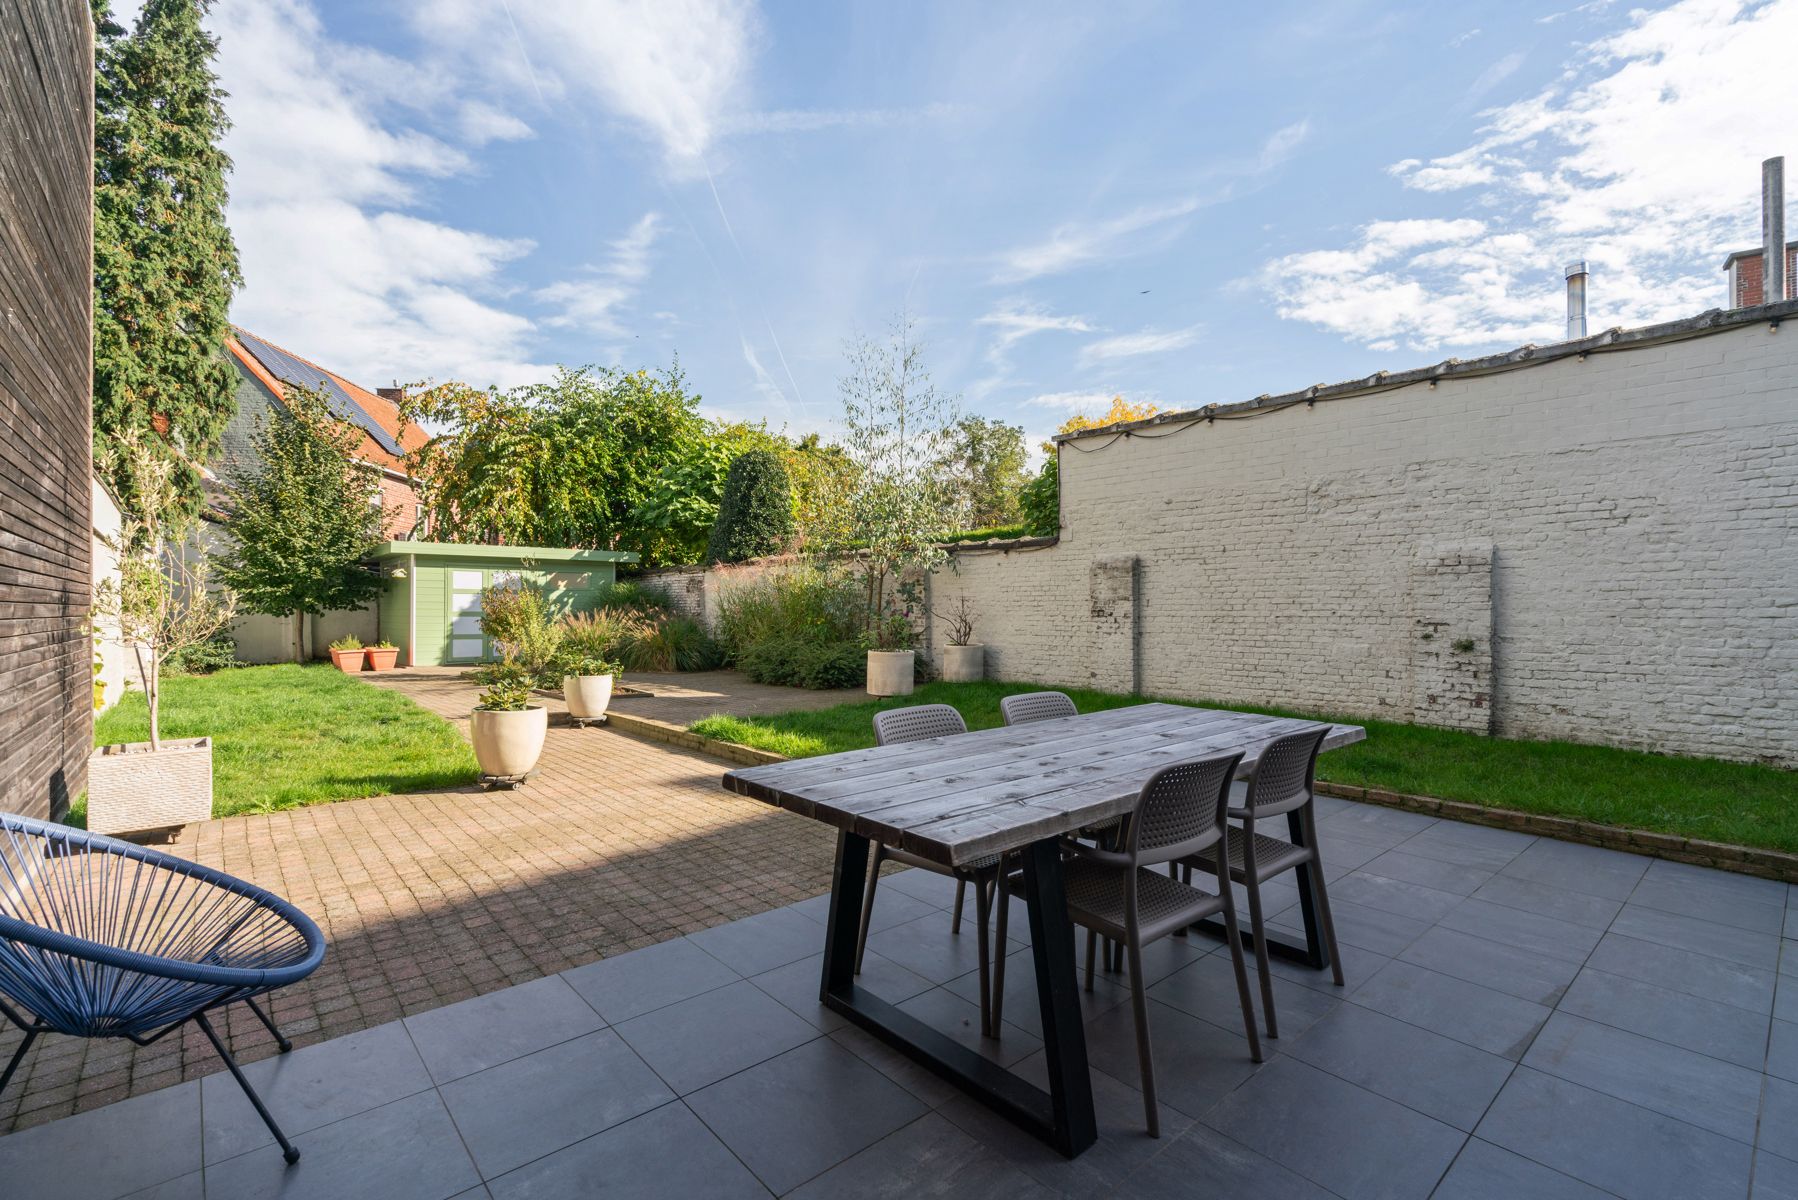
{"x":280,"y":1038}
{"x":17,"y":1058}
{"x":289,"y":1151}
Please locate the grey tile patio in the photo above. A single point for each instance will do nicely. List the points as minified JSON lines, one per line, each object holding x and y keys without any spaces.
{"x":1747,"y":947}
{"x":629,"y":985}
{"x":1203,"y":1162}
{"x":1545,"y":899}
{"x":1707,"y":1026}
{"x":1207,"y":989}
{"x":1496,"y":1022}
{"x":1775,"y":1178}
{"x":796,"y":986}
{"x":156,"y":1136}
{"x":473,"y":1035}
{"x":1522,"y":973}
{"x":760,"y":943}
{"x":1588,"y":869}
{"x":929,"y":1157}
{"x":1686,"y":971}
{"x":1483,"y":1171}
{"x":717,"y":1033}
{"x":663,"y":1154}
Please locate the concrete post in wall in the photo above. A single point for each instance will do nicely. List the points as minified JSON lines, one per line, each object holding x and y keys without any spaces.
{"x":1451,"y":659}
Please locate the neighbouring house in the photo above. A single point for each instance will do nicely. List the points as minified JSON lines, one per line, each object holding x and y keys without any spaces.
{"x":265,"y":371}
{"x":1743,"y":269}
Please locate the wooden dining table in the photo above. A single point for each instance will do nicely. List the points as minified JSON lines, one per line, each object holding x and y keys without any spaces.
{"x":1011,"y":790}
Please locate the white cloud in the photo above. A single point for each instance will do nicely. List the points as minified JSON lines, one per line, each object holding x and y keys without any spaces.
{"x":1072,"y":402}
{"x":480,"y":123}
{"x":1461,"y":39}
{"x":1016,"y":321}
{"x":812,"y":120}
{"x":1144,"y":228}
{"x":589,"y":301}
{"x":334,"y":265}
{"x":1643,"y":159}
{"x":1131,"y":345}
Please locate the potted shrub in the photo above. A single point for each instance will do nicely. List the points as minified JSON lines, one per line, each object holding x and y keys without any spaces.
{"x":382,"y":656}
{"x":163,"y":604}
{"x":346,"y":654}
{"x":964,"y":659}
{"x":587,"y":686}
{"x":507,"y":729}
{"x":892,"y":664}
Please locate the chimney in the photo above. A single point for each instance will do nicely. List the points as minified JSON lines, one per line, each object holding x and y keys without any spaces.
{"x":1576,"y":300}
{"x":1773,"y":229}
{"x":394,"y":394}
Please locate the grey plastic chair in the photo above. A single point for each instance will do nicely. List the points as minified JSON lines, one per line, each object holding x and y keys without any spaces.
{"x":914,"y":724}
{"x":1113,"y":894}
{"x":1281,"y":785}
{"x":1036,"y":706}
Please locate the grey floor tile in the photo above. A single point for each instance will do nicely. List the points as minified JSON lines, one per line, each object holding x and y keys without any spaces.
{"x":1438,"y":1076}
{"x":803,"y":1112}
{"x":1458,"y":878}
{"x":1727,"y":883}
{"x":1742,"y":946}
{"x":1203,"y":1162}
{"x":959,"y":1018}
{"x":1707,"y":1026}
{"x":1494,"y":965}
{"x":1546,"y":899}
{"x":1612,"y":1144}
{"x":1488,"y":837}
{"x":639,"y":981}
{"x":796,"y":986}
{"x":1495,"y":1022}
{"x":1686,"y":971}
{"x":407,"y":1150}
{"x":1207,"y":989}
{"x":1483,"y":1171}
{"x":1782,"y":1051}
{"x":1020,"y":1006}
{"x":1374,"y":823}
{"x":1775,"y":1178}
{"x":1196,"y":1062}
{"x":926,"y":947}
{"x":1373,"y":929}
{"x":1486,"y":854}
{"x":1589,"y":869}
{"x":535,"y":1105}
{"x":895,"y":906}
{"x":1399,"y":896}
{"x":1337,"y":1135}
{"x":1779,"y":1116}
{"x":762,"y":942}
{"x":187,"y":1187}
{"x":928,"y":886}
{"x":1344,"y":854}
{"x":929,"y":1157}
{"x":717,"y":1033}
{"x":1527,"y":931}
{"x":1358,"y":966}
{"x":1689,"y":1087}
{"x":1705,"y":900}
{"x":919,"y":1080}
{"x":148,"y":1140}
{"x":473,"y":1035}
{"x":313,"y":1086}
{"x":668,"y":1152}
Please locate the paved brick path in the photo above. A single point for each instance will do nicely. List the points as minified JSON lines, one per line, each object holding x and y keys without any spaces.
{"x":434,"y":897}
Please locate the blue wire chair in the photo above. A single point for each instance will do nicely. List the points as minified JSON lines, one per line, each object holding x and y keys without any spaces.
{"x":101,"y":938}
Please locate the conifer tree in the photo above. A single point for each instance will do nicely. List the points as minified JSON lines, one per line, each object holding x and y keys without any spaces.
{"x":165,"y":264}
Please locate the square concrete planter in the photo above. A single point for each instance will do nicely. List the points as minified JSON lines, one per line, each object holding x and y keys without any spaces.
{"x":131,"y":787}
{"x":964,"y":664}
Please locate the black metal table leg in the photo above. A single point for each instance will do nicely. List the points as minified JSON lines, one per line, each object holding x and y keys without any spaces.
{"x":1312,"y":951}
{"x":1062,"y":1116}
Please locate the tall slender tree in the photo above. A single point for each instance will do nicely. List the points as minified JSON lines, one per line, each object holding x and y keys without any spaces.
{"x":165,"y":264}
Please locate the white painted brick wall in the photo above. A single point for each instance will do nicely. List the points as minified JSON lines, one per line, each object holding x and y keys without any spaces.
{"x":1640,"y":510}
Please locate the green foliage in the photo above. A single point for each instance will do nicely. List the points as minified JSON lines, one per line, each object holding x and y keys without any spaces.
{"x":670,"y":643}
{"x":347,"y":642}
{"x":795,"y":662}
{"x":164,"y":261}
{"x":633,"y":593}
{"x":518,"y":618}
{"x":505,"y":696}
{"x":808,"y":601}
{"x":301,"y":523}
{"x":755,"y":517}
{"x":995,"y":533}
{"x":568,"y":663}
{"x":984,"y":466}
{"x":602,"y":632}
{"x":216,"y":653}
{"x":1041,"y":501}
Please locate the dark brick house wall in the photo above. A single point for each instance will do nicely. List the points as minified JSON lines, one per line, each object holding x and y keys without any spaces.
{"x":46,"y":407}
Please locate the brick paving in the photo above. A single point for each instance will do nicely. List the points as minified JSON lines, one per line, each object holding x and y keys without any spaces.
{"x":434,"y":897}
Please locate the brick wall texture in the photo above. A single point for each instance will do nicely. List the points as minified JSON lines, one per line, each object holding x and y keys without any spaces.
{"x":1602,"y":550}
{"x":46,"y":330}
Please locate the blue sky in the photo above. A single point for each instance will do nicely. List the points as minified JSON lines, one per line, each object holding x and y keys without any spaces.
{"x":1179,"y":202}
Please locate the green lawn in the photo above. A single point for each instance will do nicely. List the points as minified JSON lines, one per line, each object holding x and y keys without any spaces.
{"x":288,"y":735}
{"x":1692,"y":797}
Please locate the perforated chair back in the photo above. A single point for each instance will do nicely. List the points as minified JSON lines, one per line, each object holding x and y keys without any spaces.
{"x":1284,"y":775}
{"x":1036,"y":706}
{"x":916,"y":723}
{"x":1181,"y":810}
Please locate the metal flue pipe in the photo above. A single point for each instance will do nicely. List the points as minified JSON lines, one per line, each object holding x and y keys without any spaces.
{"x":1576,"y":300}
{"x":1773,"y":230}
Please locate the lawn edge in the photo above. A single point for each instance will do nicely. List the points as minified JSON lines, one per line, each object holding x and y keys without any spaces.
{"x":1744,"y":860}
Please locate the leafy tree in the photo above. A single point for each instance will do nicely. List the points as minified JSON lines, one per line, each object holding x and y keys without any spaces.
{"x":685,"y":498}
{"x":165,"y":264}
{"x":823,"y":476}
{"x":301,"y":522}
{"x":756,"y":514}
{"x":1041,"y":497}
{"x":985,"y":466}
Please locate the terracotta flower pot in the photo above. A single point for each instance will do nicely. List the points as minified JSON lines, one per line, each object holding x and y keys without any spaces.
{"x":964,"y":664}
{"x":382,"y":658}
{"x":347,"y":661}
{"x":890,"y":672}
{"x":508,"y":744}
{"x":587,"y":696}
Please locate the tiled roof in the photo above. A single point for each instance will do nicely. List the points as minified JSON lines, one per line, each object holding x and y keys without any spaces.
{"x":386,"y":438}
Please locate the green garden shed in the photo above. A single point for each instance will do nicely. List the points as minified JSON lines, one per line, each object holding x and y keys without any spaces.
{"x":431,"y":592}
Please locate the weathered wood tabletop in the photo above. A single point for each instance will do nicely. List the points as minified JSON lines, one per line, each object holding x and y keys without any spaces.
{"x":968,"y":796}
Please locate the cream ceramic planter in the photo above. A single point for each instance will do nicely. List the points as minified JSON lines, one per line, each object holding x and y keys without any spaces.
{"x":964,"y":664}
{"x":508,"y":744}
{"x":131,"y":787}
{"x":587,"y":696}
{"x":890,"y":672}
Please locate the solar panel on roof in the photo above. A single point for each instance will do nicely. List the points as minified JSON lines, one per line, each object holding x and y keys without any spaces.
{"x":286,"y":367}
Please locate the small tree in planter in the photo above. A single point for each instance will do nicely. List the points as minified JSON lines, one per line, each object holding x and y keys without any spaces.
{"x":897,"y":428}
{"x":964,"y":659}
{"x":164,"y":604}
{"x":507,"y":729}
{"x":301,"y":522}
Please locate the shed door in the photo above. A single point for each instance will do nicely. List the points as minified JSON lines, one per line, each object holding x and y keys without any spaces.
{"x":466,"y":642}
